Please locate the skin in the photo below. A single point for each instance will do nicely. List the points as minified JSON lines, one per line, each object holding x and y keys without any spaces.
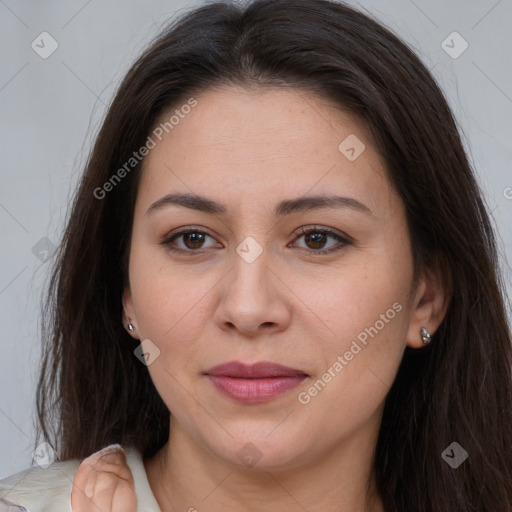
{"x":104,"y":482}
{"x":249,"y":150}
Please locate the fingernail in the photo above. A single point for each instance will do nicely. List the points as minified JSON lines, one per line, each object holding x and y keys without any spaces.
{"x":111,"y":453}
{"x":113,"y":449}
{"x":111,"y":458}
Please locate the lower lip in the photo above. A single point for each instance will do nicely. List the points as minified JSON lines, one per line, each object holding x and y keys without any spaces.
{"x":254,"y":390}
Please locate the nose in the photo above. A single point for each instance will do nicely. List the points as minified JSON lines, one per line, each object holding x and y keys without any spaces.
{"x":253,"y":300}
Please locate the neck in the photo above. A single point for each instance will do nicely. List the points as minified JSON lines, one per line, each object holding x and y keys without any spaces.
{"x":186,"y":477}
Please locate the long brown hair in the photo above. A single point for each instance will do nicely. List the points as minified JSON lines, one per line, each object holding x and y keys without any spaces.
{"x":93,"y":390}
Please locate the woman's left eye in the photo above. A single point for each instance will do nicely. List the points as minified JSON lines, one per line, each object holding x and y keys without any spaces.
{"x":317,"y":240}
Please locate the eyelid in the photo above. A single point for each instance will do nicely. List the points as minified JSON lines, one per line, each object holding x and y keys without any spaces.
{"x":323,"y":229}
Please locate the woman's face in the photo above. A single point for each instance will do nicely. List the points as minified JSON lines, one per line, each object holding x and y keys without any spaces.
{"x":267,"y":274}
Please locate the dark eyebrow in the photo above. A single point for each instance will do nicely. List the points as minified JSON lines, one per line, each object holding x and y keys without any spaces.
{"x":192,"y":201}
{"x":301,"y":204}
{"x":306,"y":203}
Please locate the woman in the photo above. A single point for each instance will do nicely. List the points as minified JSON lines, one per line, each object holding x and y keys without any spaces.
{"x":278,"y":286}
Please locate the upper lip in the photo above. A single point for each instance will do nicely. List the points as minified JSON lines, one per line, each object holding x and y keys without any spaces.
{"x":259,"y":370}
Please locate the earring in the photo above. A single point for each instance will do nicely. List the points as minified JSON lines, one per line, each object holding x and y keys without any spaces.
{"x":130,"y":327}
{"x":425,"y":336}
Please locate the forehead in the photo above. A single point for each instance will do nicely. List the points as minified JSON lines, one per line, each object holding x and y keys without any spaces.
{"x":266,"y":122}
{"x":261,"y":142}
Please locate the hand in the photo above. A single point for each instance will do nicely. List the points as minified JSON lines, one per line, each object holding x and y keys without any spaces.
{"x":104,"y":483}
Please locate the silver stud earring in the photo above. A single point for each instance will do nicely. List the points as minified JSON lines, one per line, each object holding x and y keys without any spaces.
{"x":425,"y":336}
{"x":131,"y":328}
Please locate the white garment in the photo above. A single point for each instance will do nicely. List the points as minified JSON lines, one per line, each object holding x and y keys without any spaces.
{"x":49,"y":490}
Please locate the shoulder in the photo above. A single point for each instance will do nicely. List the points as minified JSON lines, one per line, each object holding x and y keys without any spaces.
{"x":41,"y":489}
{"x":49,"y":490}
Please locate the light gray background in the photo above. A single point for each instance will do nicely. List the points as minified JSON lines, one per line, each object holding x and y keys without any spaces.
{"x":51,"y":108}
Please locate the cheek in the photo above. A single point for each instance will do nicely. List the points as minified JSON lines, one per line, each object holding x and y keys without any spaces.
{"x":171,"y":308}
{"x":369,"y":337}
{"x":355,"y":298}
{"x":367,"y":309}
{"x":168,"y":300}
{"x":358,"y":368}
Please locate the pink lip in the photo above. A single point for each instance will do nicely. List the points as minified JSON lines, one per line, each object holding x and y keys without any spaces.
{"x":254,"y":383}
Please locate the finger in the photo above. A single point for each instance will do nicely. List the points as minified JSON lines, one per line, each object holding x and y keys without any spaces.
{"x":83,"y":488}
{"x":111,"y":459}
{"x":103,"y":496}
{"x":114,"y":485}
{"x":125,"y":500}
{"x":113,"y":494}
{"x":121,"y":471}
{"x":105,"y":492}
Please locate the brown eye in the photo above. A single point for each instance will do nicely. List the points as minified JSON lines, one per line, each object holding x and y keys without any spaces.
{"x":318,"y":241}
{"x":315,"y":240}
{"x":191,"y":240}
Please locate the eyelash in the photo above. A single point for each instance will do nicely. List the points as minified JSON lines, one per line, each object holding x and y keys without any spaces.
{"x":301,"y":232}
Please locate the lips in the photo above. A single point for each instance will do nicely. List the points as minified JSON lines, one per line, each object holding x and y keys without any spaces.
{"x":259,"y":382}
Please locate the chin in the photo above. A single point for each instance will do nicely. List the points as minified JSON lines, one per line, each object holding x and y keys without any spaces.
{"x":261,"y":449}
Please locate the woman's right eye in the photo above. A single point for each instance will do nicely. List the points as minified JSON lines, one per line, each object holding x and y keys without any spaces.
{"x":190,"y":240}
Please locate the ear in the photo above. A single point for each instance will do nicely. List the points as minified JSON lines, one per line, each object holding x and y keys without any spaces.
{"x":430,"y":304}
{"x":129,"y":312}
